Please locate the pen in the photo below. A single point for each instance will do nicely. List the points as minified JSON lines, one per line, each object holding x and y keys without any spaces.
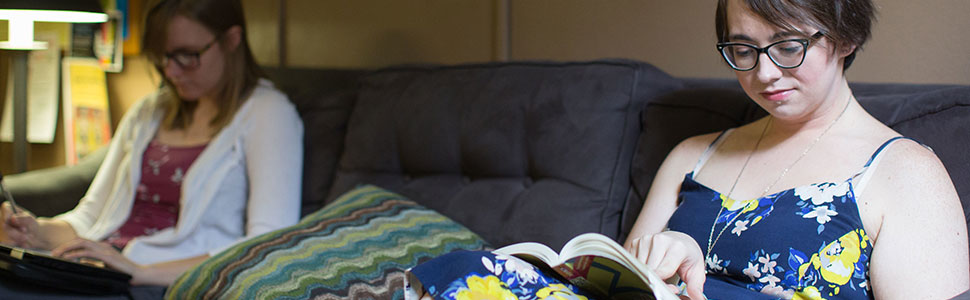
{"x":7,"y":196}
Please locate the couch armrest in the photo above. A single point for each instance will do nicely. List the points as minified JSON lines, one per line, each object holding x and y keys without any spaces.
{"x":49,"y":192}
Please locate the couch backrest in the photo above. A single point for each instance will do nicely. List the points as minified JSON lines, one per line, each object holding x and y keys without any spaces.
{"x":936,"y":115}
{"x":522,"y":151}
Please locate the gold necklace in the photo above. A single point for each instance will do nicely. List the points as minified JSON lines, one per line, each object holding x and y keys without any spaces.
{"x":711,"y":240}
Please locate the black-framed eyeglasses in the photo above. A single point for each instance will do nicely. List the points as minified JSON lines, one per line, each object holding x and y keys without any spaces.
{"x":786,"y":54}
{"x":185,"y":59}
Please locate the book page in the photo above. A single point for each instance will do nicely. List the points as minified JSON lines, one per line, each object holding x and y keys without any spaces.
{"x":536,"y":250}
{"x":608,"y":278}
{"x":602,"y":261}
{"x":597,"y":264}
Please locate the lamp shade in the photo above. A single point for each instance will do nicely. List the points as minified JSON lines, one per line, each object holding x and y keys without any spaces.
{"x":23,"y":13}
{"x":93,"y":6}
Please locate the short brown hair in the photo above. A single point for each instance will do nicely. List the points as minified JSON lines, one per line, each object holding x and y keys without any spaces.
{"x":241,"y":73}
{"x":845,"y":22}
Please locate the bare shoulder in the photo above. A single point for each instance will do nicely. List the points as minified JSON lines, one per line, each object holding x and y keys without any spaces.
{"x":907,"y":162}
{"x":909,"y":176}
{"x":696,"y":144}
{"x":688,"y":151}
{"x":686,"y":154}
{"x":922,"y":239}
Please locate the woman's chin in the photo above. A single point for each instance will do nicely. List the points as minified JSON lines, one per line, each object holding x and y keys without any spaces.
{"x":188,"y":95}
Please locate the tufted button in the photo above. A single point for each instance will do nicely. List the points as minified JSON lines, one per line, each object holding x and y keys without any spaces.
{"x":407,"y":178}
{"x":527,"y":182}
{"x":466,"y":179}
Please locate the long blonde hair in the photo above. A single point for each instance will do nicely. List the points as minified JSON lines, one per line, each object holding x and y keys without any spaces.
{"x":240,"y":74}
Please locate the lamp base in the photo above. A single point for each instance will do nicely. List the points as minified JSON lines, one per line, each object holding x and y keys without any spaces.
{"x":20,"y":110}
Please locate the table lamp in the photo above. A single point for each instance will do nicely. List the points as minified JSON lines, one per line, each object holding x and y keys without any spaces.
{"x":21,"y":15}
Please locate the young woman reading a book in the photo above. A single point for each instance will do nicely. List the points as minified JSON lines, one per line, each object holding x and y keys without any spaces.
{"x":816,"y":200}
{"x":212,"y":157}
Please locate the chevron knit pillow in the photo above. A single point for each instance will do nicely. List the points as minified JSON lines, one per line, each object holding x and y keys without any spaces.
{"x":356,"y":247}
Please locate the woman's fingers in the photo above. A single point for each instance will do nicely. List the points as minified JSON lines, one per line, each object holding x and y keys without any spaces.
{"x":23,"y":222}
{"x":85,"y":249}
{"x":672,"y":253}
{"x":81,"y":250}
{"x":8,"y":217}
{"x":637,"y":244}
{"x":658,"y":253}
{"x":19,"y":227}
{"x":631,"y":245}
{"x":68,"y":246}
{"x":78,"y":248}
{"x":666,"y":256}
{"x":693,"y":274}
{"x":5,"y":209}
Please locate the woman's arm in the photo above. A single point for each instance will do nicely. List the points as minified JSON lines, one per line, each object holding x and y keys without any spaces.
{"x":164,"y":273}
{"x":920,"y":248}
{"x":273,"y":149}
{"x":669,"y":252}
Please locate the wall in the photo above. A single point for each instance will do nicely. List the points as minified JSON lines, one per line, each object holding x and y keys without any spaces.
{"x":375,"y":33}
{"x":913,"y":41}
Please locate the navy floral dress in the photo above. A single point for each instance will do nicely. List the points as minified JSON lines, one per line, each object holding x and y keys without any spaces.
{"x":807,"y":242}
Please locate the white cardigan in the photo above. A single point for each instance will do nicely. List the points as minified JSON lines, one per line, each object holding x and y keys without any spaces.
{"x":246,"y":182}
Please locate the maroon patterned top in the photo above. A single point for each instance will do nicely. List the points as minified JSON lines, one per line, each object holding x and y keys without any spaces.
{"x":156,"y":205}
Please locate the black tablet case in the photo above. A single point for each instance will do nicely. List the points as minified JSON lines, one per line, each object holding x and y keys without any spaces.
{"x":34,"y":268}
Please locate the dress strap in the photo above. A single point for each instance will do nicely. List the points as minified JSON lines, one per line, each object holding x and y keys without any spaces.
{"x":864,"y":175}
{"x":710,"y":149}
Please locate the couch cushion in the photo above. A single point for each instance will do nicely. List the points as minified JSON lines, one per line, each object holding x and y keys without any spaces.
{"x":357,"y":247}
{"x":506,"y":149}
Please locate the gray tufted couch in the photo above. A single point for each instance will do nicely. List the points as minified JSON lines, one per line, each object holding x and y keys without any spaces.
{"x":517,"y":151}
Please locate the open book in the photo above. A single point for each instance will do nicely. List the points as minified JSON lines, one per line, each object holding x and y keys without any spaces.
{"x":597,"y":264}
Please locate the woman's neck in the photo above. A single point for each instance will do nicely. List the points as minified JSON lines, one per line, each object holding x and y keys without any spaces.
{"x":838,"y":103}
{"x":205,"y":110}
{"x":197,"y":132}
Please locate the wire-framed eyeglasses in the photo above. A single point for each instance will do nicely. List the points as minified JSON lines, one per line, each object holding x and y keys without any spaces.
{"x":786,"y":54}
{"x":186,"y":59}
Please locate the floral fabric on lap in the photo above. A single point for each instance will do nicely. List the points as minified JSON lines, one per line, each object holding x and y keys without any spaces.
{"x":486,"y":275}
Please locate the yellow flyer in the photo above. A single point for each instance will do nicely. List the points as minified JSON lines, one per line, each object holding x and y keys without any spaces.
{"x":87,"y":120}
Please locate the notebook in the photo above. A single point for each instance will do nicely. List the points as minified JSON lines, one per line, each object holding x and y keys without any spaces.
{"x":38,"y":268}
